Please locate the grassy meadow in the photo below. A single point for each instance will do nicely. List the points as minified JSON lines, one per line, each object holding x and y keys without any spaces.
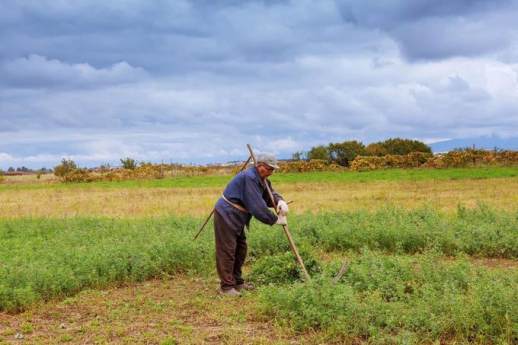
{"x":432,"y":257}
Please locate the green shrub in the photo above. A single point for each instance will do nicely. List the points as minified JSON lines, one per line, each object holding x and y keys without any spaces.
{"x":128,"y":163}
{"x":282,"y":268}
{"x":67,"y":166}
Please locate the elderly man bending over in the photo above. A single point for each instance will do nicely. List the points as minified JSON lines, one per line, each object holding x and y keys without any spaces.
{"x":245,"y":196}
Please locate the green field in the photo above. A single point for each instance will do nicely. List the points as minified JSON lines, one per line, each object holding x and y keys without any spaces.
{"x":415,"y":275}
{"x":318,"y":177}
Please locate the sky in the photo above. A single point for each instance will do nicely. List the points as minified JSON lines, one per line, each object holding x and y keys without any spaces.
{"x":195,"y":81}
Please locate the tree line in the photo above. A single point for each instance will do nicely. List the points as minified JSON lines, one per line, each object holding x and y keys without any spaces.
{"x":345,"y":152}
{"x":24,"y":169}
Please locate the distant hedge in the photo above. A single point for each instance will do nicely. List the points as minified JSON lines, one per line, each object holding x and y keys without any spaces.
{"x":452,"y":159}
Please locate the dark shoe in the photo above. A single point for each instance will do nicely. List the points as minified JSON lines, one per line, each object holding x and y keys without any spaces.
{"x":230,"y":292}
{"x":245,"y":286}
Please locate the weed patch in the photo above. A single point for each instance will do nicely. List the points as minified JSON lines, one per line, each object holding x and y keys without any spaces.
{"x":393,"y":299}
{"x":282,"y":268}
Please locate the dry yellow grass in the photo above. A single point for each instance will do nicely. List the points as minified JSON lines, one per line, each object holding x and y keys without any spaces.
{"x":445,"y":195}
{"x":30,"y":178}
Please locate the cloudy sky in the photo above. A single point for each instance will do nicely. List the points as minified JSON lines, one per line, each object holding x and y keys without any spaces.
{"x":194,"y":81}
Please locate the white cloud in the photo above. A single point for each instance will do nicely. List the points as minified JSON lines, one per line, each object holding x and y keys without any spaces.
{"x":5,"y":156}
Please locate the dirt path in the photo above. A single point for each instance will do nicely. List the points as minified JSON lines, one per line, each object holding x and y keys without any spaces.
{"x":180,"y":310}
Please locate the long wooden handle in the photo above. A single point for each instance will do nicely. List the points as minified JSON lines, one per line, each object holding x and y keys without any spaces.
{"x":284,"y":227}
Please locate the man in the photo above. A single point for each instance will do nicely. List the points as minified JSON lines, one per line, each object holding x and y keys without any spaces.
{"x":245,"y":196}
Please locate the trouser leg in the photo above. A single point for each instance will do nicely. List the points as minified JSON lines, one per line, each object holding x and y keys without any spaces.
{"x":241,"y":249}
{"x":226,"y":243}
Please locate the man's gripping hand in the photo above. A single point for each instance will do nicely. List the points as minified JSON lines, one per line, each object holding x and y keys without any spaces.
{"x":282,"y":219}
{"x":282,"y":208}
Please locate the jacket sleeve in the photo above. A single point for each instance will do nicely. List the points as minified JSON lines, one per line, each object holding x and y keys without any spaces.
{"x":254,"y":202}
{"x":276,"y":196}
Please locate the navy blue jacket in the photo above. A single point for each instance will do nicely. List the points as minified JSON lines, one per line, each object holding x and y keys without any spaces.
{"x":249,"y":191}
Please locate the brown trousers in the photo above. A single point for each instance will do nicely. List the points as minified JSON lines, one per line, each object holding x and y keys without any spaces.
{"x":231,"y":251}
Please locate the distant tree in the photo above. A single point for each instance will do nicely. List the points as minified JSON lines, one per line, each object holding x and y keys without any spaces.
{"x":399,"y":146}
{"x":319,"y":152}
{"x":375,"y":149}
{"x":345,"y":152}
{"x":66,"y":166}
{"x":11,"y":169}
{"x":129,"y":163}
{"x":299,"y":155}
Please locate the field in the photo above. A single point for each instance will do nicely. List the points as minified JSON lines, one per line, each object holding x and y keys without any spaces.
{"x":432,"y":257}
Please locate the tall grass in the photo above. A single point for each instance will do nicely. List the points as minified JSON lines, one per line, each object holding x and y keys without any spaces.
{"x":400,"y":299}
{"x":41,"y":259}
{"x":481,"y":232}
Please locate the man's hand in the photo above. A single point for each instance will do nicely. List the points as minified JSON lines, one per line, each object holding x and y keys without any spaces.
{"x":282,"y":220}
{"x":282,"y":207}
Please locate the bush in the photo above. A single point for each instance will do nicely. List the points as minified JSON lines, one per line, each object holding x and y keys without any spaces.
{"x":67,"y":166}
{"x":282,"y":268}
{"x":344,"y":153}
{"x":471,"y":158}
{"x":319,"y":153}
{"x":412,"y":160}
{"x":80,"y":175}
{"x":397,"y":146}
{"x":308,"y":166}
{"x":128,"y":163}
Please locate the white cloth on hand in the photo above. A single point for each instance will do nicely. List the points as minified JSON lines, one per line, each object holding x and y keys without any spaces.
{"x":282,"y":220}
{"x":282,"y":207}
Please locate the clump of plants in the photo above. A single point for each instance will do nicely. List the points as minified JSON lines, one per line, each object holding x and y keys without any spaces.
{"x":480,"y":231}
{"x":66,"y":167}
{"x":283,"y":268}
{"x":43,"y":259}
{"x":395,"y":299}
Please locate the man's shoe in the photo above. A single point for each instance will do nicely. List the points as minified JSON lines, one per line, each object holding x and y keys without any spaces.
{"x":230,"y":292}
{"x":245,"y":286}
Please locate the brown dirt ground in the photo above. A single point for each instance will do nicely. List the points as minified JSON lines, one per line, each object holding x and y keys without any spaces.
{"x":179,"y":310}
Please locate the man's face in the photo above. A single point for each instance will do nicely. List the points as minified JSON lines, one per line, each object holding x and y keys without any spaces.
{"x":264,"y":170}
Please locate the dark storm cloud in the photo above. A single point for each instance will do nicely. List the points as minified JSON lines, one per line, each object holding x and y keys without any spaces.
{"x":438,"y":29}
{"x":172,"y":37}
{"x":388,"y":14}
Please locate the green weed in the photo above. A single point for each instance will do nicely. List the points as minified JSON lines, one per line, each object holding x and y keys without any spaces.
{"x":282,"y":268}
{"x":390,"y":299}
